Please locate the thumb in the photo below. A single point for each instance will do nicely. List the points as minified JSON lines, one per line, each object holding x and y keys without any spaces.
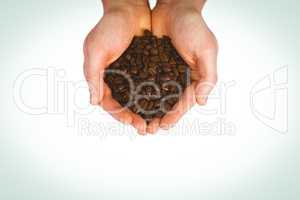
{"x":94,"y":75}
{"x":203,"y":89}
{"x":207,"y":67}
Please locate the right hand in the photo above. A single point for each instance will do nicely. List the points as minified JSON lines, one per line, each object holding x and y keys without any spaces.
{"x":104,"y":44}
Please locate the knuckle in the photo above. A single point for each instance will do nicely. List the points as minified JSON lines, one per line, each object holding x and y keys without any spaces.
{"x":88,"y":73}
{"x":87,"y":48}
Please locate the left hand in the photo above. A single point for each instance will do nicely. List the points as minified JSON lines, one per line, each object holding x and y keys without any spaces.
{"x":190,"y":35}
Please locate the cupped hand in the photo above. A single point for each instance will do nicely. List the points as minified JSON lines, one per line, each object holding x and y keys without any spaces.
{"x":190,"y":35}
{"x":103,"y":45}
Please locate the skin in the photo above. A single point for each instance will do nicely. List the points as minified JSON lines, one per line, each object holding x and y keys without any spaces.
{"x":105,"y":43}
{"x":182,"y":22}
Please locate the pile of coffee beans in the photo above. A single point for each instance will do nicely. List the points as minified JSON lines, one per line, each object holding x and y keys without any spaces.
{"x":149,"y":77}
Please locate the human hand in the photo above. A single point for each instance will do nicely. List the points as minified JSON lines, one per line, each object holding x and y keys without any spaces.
{"x":122,"y":20}
{"x":183,"y":23}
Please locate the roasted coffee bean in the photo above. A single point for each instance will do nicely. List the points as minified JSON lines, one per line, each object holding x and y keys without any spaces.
{"x":150,"y":105}
{"x":148,"y":59}
{"x":147,"y":33}
{"x":148,"y":47}
{"x":151,"y":78}
{"x":181,"y":68}
{"x":132,"y":61}
{"x":128,"y":56}
{"x":139,"y":49}
{"x":134,"y":70}
{"x":159,"y":114}
{"x":152,"y":70}
{"x":119,"y":80}
{"x":163,"y":57}
{"x":154,"y":51}
{"x":172,"y":61}
{"x":143,"y":74}
{"x":155,"y":59}
{"x":121,"y":88}
{"x":165,"y":77}
{"x":175,"y":71}
{"x":139,"y":59}
{"x":134,"y":109}
{"x":166,"y":67}
{"x":167,"y":106}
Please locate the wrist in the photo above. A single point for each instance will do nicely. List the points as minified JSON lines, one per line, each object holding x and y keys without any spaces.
{"x":109,"y":5}
{"x":196,"y":4}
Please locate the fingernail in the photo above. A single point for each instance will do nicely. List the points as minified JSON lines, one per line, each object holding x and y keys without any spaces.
{"x":201,"y":100}
{"x":142,"y":132}
{"x":151,"y":130}
{"x":165,"y":126}
{"x":127,"y":121}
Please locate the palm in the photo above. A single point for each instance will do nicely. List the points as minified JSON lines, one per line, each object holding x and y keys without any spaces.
{"x":110,"y":37}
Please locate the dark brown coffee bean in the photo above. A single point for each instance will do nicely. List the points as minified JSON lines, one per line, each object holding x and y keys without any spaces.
{"x":159,"y":41}
{"x":147,"y":33}
{"x":175,"y":71}
{"x":128,"y":56}
{"x":139,"y":59}
{"x":132,"y":61}
{"x":118,"y":80}
{"x":143,"y":104}
{"x":122,"y":88}
{"x":163,"y":57}
{"x":139,"y":49}
{"x":181,"y":68}
{"x":172,"y":61}
{"x":160,"y":49}
{"x":160,"y":114}
{"x":154,"y":51}
{"x":134,"y":70}
{"x":167,"y":106}
{"x":154,"y":59}
{"x":151,"y":78}
{"x":165,"y":77}
{"x":148,"y":47}
{"x":150,"y":105}
{"x":152,"y":70}
{"x":166,"y":67}
{"x":146,"y":53}
{"x":143,"y":74}
{"x":134,"y":109}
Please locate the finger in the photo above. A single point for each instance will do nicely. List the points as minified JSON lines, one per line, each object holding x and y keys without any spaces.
{"x":93,"y":71}
{"x":95,"y":83}
{"x":186,"y":102}
{"x":114,"y":108}
{"x":207,"y":66}
{"x":153,"y":126}
{"x":139,"y":123}
{"x":203,"y":89}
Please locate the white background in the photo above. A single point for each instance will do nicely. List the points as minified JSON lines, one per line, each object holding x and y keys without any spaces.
{"x":47,"y":156}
